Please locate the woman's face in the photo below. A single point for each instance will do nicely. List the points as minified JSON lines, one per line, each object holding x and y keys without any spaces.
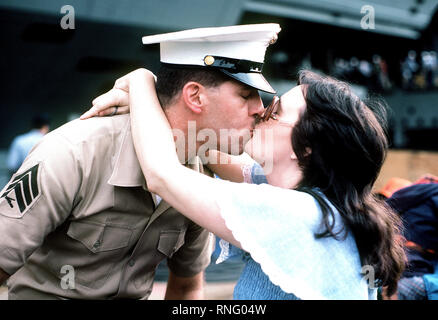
{"x":271,"y":145}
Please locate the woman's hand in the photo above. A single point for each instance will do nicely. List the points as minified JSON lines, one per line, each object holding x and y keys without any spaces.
{"x":115,"y":101}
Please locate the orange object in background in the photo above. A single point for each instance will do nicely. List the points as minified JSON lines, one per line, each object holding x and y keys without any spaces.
{"x":427,"y":178}
{"x":393,"y":185}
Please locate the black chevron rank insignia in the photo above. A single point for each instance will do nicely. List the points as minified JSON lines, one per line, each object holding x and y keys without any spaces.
{"x":20,"y":194}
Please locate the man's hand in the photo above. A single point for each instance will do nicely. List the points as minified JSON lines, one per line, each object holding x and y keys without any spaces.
{"x":180,"y":288}
{"x":115,"y":101}
{"x":3,"y":276}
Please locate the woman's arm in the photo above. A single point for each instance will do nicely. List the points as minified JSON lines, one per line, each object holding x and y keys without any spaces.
{"x":115,"y":101}
{"x":189,"y":192}
{"x":229,"y":167}
{"x":226,"y":166}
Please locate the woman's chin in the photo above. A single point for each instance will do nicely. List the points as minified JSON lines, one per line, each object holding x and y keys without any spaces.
{"x":255,"y":157}
{"x":251,"y":150}
{"x":248,"y":149}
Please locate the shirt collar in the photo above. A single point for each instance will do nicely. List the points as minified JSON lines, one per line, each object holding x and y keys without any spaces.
{"x":127,"y":171}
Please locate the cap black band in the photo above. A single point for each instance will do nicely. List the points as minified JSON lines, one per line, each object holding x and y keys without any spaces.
{"x":233,"y":65}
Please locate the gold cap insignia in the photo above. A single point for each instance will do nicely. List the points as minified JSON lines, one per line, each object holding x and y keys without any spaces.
{"x":208,"y":60}
{"x":273,"y":40}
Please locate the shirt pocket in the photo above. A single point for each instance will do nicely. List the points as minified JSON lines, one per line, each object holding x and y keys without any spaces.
{"x":170,"y":241}
{"x":95,"y":251}
{"x":98,"y":237}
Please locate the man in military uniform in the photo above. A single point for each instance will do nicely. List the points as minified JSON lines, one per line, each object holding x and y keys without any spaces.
{"x":77,"y":220}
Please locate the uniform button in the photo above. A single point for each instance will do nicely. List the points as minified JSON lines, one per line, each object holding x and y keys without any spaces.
{"x":131,"y":262}
{"x":96,"y":244}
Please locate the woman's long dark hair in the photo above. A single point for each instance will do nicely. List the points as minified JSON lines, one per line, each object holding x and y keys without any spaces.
{"x":341,"y":144}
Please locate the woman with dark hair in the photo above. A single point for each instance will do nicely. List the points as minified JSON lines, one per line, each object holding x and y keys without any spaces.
{"x":308,"y":226}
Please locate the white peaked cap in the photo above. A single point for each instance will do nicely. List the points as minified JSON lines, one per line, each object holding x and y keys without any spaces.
{"x":237,"y":51}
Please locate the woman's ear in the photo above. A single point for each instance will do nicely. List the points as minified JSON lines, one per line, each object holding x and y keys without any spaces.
{"x":193,"y":94}
{"x":293,"y":156}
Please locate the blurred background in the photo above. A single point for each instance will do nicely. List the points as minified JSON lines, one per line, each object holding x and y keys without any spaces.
{"x":381,"y":47}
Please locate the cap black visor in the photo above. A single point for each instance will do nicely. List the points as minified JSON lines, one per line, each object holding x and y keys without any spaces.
{"x":252,"y":79}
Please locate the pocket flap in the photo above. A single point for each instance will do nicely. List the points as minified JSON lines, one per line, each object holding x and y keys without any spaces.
{"x":170,"y":241}
{"x":99,"y":237}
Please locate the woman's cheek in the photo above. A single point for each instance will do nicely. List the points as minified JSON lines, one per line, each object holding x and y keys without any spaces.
{"x":266,"y":146}
{"x":254,"y":146}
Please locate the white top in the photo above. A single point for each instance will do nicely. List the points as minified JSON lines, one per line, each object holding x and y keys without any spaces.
{"x":277,"y":226}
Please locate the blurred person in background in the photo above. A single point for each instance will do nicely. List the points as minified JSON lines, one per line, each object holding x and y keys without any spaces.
{"x":417,"y":205}
{"x":428,"y":67}
{"x":381,"y":73}
{"x":409,"y":69}
{"x":22,"y":144}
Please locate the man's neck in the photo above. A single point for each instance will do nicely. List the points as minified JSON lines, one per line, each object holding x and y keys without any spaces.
{"x":185,"y":132}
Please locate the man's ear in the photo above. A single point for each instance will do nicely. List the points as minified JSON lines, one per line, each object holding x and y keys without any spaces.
{"x":194,"y":96}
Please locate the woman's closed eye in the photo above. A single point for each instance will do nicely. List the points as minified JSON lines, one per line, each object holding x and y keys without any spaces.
{"x":274,"y":115}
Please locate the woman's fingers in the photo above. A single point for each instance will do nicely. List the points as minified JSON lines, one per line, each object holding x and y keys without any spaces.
{"x":122,"y":83}
{"x":112,"y":111}
{"x":90,"y":113}
{"x":105,"y":104}
{"x":112,"y":98}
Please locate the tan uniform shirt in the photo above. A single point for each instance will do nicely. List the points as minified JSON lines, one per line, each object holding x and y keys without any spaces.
{"x":78,"y":206}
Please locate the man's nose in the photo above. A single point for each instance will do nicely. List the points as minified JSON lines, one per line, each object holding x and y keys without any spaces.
{"x":256,"y":106}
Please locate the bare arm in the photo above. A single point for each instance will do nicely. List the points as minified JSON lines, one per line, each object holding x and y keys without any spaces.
{"x":3,"y":276}
{"x":191,"y":193}
{"x":182,"y":288}
{"x":228,"y":167}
